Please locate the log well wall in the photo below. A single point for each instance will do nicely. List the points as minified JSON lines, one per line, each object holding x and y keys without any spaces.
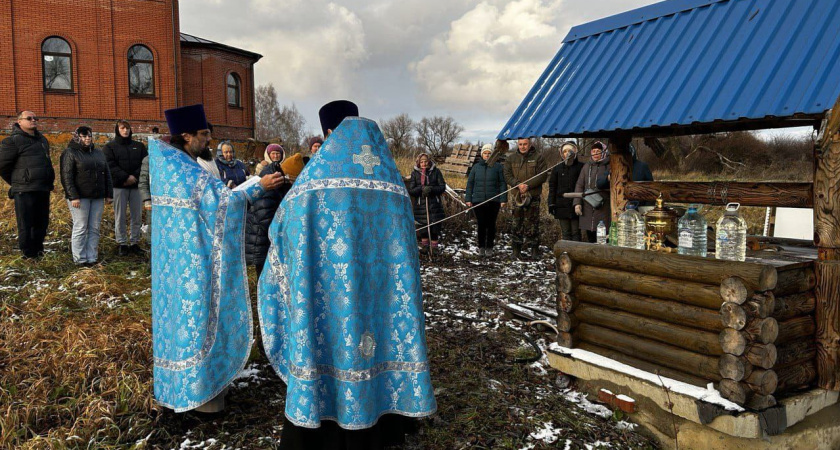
{"x":747,"y":327}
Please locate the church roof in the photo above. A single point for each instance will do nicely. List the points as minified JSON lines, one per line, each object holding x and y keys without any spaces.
{"x":190,"y":40}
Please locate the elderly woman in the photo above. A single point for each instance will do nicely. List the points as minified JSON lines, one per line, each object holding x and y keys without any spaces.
{"x":232,"y":171}
{"x":261,"y":212}
{"x":87,"y":185}
{"x":593,"y":208}
{"x":426,"y":186}
{"x":563,"y":180}
{"x":487,"y":190}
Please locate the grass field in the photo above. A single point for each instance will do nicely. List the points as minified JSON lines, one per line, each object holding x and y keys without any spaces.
{"x":75,"y":356}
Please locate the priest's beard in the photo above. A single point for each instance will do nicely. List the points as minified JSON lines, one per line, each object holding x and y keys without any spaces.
{"x":205,"y":154}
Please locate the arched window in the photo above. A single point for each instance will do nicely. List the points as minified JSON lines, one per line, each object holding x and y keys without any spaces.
{"x":56,"y":61}
{"x":141,"y":71}
{"x":233,"y":90}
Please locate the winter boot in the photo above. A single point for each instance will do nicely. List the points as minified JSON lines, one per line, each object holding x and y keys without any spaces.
{"x":535,"y":253}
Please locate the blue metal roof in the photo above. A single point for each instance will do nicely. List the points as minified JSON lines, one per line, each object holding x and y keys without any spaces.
{"x":688,"y":64}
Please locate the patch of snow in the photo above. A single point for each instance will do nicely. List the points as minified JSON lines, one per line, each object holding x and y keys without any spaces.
{"x":622,"y":425}
{"x":625,"y":398}
{"x":707,"y":395}
{"x":597,"y":444}
{"x":547,"y":433}
{"x":580,"y":399}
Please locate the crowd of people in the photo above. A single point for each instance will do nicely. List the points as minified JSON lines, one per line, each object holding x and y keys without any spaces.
{"x":118,"y":172}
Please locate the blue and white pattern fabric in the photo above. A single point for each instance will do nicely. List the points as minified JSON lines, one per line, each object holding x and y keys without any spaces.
{"x":201,"y":313}
{"x":340,"y":301}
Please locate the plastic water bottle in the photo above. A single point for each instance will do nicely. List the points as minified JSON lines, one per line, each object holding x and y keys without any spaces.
{"x":602,"y":233}
{"x":631,"y":229}
{"x":731,"y":233}
{"x":692,"y":233}
{"x":613,"y":234}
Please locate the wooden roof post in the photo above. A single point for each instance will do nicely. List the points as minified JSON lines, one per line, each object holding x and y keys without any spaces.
{"x":621,"y":171}
{"x":827,"y":240}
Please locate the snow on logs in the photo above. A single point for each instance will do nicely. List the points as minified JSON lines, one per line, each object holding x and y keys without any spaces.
{"x":747,"y":326}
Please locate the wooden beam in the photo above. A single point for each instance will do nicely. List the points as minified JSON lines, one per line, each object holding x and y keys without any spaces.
{"x":795,"y":353}
{"x":793,"y":195}
{"x":827,"y":239}
{"x":621,"y":172}
{"x":695,"y":294}
{"x":644,"y":365}
{"x":795,"y":305}
{"x":757,"y":276}
{"x":666,"y":310}
{"x":667,"y":355}
{"x":795,"y":281}
{"x":800,"y":376}
{"x":703,"y":342}
{"x":796,"y":329}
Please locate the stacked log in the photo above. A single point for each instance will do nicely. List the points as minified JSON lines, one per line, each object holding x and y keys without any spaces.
{"x":690,"y":319}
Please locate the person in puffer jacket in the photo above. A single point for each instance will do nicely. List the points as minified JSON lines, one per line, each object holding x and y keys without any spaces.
{"x":563,"y":180}
{"x":232,"y":171}
{"x":487,"y":191}
{"x":125,"y":157}
{"x":426,"y":186}
{"x":87,"y":185}
{"x":261,"y":212}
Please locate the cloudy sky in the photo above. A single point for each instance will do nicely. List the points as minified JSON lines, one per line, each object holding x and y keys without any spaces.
{"x":473,"y":60}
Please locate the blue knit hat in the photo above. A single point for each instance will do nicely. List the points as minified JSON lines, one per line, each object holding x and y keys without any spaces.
{"x":186,"y":119}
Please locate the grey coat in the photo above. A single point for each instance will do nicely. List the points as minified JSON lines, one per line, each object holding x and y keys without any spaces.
{"x":588,"y":180}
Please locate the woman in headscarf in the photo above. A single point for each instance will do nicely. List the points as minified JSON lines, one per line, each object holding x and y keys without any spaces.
{"x":261,"y":212}
{"x":563,"y":180}
{"x":232,"y":171}
{"x":487,"y":189}
{"x":589,"y":208}
{"x":87,"y":185}
{"x":426,"y":187}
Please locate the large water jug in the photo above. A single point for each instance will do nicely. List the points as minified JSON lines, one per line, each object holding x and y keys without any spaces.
{"x":731,"y":232}
{"x":602,"y":233}
{"x":631,"y":228}
{"x":692,"y":233}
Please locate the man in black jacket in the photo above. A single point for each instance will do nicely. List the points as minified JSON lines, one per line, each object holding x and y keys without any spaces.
{"x":125,"y":157}
{"x":25,"y":164}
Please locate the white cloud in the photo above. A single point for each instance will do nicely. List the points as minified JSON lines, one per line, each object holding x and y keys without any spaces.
{"x":491,"y":55}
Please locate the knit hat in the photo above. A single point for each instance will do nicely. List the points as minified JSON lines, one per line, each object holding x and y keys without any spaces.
{"x":186,"y":119}
{"x":333,"y":113}
{"x":293,"y":166}
{"x":314,"y":140}
{"x":274,"y":148}
{"x":487,"y":148}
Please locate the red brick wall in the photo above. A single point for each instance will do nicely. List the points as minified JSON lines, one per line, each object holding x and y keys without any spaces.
{"x":205,"y":74}
{"x":100,"y":32}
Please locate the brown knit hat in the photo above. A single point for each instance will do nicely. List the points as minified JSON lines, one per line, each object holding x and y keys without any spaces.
{"x":293,"y":166}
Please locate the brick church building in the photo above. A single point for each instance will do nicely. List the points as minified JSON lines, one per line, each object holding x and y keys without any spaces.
{"x":92,"y":62}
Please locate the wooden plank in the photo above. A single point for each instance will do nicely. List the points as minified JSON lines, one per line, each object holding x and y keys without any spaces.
{"x":690,"y":293}
{"x":692,"y":339}
{"x":792,"y":195}
{"x":666,"y":310}
{"x":757,"y":276}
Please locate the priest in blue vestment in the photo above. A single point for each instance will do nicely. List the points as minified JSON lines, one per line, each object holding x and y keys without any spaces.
{"x":340,"y":299}
{"x":201,"y":316}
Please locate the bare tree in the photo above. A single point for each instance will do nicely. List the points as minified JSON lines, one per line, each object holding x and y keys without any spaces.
{"x":291,"y":126}
{"x":267,"y":113}
{"x":436,"y":134}
{"x":399,"y":132}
